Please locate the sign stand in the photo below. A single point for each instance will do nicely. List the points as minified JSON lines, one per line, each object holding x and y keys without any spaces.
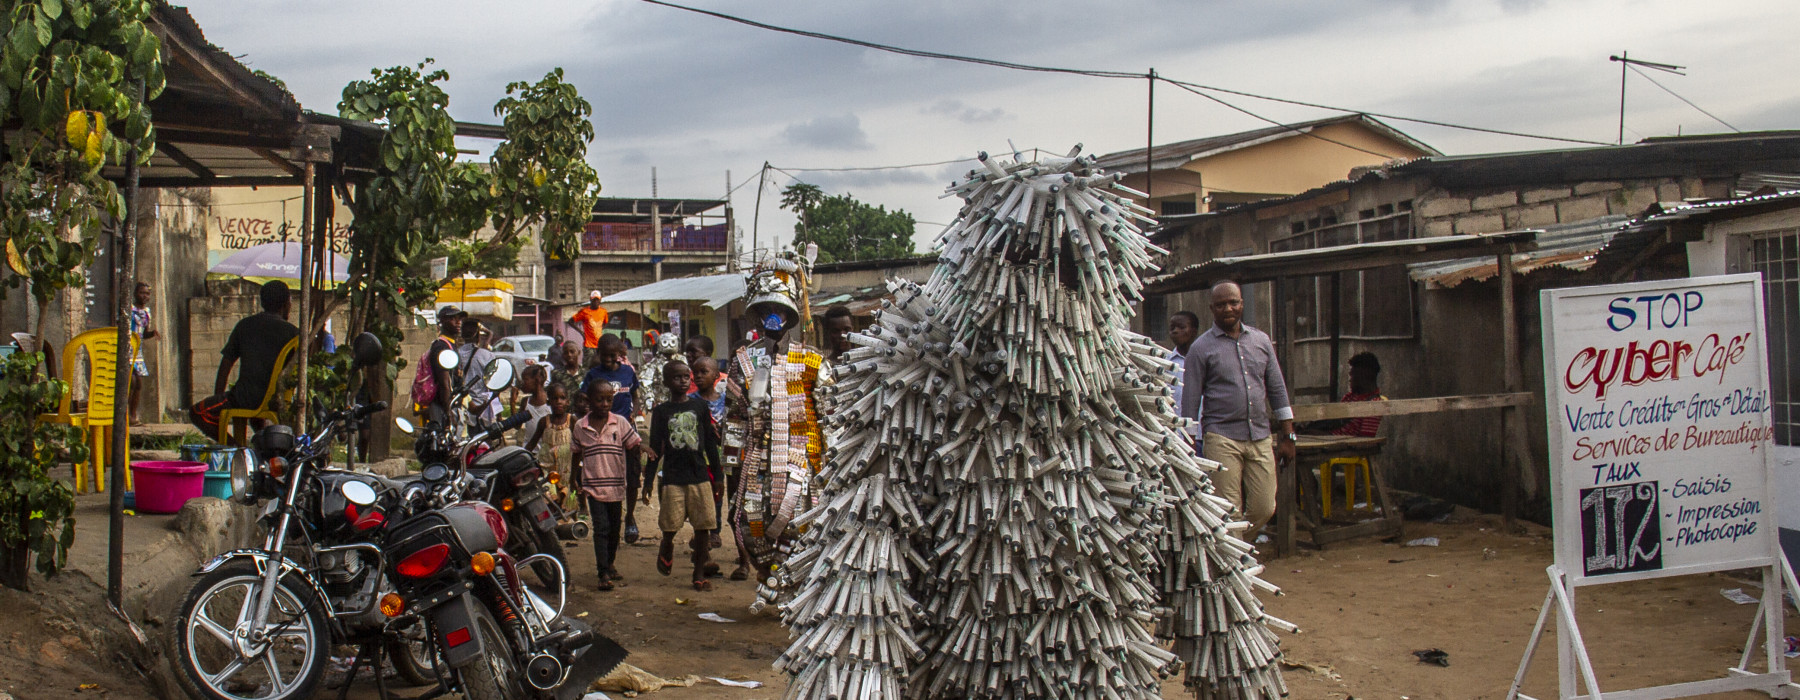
{"x":1573,"y":655}
{"x":1658,"y":402}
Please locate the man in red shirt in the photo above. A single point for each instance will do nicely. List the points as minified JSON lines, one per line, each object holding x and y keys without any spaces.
{"x":1365,"y":385}
{"x":591,"y":321}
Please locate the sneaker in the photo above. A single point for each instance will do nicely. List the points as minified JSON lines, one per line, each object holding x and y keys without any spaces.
{"x":606,"y":585}
{"x":631,"y":533}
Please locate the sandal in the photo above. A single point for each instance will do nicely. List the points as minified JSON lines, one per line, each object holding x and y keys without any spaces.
{"x":606,"y":585}
{"x":739,"y":574}
{"x":702,"y":585}
{"x":664,"y":565}
{"x":712,"y":570}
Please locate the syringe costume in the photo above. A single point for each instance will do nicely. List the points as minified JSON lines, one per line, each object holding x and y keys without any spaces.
{"x":773,"y":435}
{"x":1010,"y":507}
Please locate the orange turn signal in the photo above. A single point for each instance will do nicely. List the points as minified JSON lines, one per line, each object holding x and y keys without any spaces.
{"x":506,"y":504}
{"x":555,"y":477}
{"x":277,"y":467}
{"x":482,"y":563}
{"x":392,"y":605}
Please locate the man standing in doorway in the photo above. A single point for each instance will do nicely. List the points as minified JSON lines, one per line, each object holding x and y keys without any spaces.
{"x":1231,"y":369}
{"x":591,"y":321}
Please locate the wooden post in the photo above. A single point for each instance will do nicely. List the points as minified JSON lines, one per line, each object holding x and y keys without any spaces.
{"x":306,"y":258}
{"x":1510,"y":423}
{"x":124,"y":290}
{"x":1337,"y":331}
{"x":1287,"y":494}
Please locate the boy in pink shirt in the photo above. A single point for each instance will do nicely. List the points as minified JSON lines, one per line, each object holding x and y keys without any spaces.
{"x":605,"y":447}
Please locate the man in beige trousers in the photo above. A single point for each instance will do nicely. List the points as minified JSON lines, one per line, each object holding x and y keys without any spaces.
{"x":1233,"y":386}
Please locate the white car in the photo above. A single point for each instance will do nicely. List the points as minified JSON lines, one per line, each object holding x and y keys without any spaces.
{"x":522,"y":350}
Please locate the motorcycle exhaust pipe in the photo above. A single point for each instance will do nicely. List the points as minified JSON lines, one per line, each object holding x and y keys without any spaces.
{"x":573,"y":530}
{"x":544,"y":671}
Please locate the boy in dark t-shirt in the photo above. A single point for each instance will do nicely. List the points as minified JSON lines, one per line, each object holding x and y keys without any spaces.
{"x":684,"y":444}
{"x":611,"y":367}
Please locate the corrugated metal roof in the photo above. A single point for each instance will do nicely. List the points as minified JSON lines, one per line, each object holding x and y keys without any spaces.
{"x":1569,"y":246}
{"x":716,"y":291}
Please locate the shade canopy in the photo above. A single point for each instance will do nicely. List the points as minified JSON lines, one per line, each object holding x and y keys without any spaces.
{"x":715,"y":291}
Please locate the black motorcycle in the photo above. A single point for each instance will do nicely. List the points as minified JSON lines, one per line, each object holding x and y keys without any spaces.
{"x":501,"y":640}
{"x":506,"y":477}
{"x":261,"y":623}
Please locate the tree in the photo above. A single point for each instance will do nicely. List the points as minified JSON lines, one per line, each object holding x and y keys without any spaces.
{"x":847,"y":229}
{"x":423,"y":203}
{"x":68,"y":91}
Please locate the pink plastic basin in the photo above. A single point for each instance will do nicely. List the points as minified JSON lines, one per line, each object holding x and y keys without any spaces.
{"x":162,"y":487}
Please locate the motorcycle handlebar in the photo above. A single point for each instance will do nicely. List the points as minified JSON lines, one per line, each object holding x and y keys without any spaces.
{"x":365,"y":411}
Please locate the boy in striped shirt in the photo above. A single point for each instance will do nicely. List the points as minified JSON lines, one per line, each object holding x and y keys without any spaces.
{"x":606,"y":448}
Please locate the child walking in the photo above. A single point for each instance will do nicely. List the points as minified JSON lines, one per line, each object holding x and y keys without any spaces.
{"x":551,"y":438}
{"x":605,"y":444}
{"x":683,"y":442}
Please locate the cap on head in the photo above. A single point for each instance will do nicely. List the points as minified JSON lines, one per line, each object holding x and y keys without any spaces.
{"x":450,"y":311}
{"x":595,"y":295}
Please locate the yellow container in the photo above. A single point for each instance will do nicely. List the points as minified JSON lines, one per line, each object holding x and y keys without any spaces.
{"x":479,"y":297}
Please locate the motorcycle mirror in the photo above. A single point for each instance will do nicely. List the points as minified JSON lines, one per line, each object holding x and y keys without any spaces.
{"x":404,"y":425}
{"x":365,"y":351}
{"x":499,"y":375}
{"x":358,"y":492}
{"x":241,"y":467}
{"x":448,"y":359}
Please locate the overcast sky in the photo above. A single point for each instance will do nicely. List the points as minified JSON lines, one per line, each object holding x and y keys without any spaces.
{"x":695,"y":96}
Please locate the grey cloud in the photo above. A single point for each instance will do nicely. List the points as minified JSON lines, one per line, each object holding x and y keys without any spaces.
{"x":955,"y":109}
{"x":830,"y":133}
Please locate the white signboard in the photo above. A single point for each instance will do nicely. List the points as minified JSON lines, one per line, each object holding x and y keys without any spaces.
{"x":1659,"y":428}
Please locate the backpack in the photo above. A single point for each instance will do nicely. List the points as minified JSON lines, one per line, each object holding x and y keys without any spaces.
{"x":424,"y":386}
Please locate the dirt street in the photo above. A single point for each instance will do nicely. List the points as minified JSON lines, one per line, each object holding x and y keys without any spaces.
{"x":1364,"y":607}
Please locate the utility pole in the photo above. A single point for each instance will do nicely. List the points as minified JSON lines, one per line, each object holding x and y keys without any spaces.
{"x":1625,"y":62}
{"x":1149,"y":138}
{"x":756,"y":217}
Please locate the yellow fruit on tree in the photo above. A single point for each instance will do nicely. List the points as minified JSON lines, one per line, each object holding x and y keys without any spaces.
{"x":93,"y":154}
{"x":77,"y":128}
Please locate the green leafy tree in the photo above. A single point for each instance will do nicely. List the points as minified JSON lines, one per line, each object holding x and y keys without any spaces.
{"x":847,"y":229}
{"x":423,"y":203}
{"x":37,"y":513}
{"x":68,"y":96}
{"x":66,"y":78}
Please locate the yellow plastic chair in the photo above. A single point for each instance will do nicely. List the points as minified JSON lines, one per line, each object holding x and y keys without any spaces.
{"x":1353,"y":467}
{"x":242,"y":416}
{"x":96,"y":423}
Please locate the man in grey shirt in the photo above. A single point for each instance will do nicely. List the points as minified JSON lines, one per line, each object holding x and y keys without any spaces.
{"x":1232,"y":371}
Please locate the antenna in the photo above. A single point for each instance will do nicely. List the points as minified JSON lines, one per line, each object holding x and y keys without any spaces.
{"x":1625,"y":63}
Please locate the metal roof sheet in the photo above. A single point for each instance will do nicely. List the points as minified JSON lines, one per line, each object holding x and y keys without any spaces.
{"x":1569,"y":246}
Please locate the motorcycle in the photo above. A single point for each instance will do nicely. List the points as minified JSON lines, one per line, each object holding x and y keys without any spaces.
{"x":500,"y":638}
{"x":506,"y":477}
{"x":260,"y":623}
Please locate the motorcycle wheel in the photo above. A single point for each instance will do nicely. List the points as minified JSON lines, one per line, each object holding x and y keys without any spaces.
{"x":288,"y":667}
{"x":491,"y":675}
{"x":413,"y":655}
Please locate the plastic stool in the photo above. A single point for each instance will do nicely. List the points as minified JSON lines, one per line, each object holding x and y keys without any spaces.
{"x":1352,"y":467}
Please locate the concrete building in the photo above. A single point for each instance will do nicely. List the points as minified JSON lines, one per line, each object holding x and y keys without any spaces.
{"x":1435,"y":325}
{"x":1216,"y":172}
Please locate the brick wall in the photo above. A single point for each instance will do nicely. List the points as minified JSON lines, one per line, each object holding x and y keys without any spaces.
{"x":1441,"y":213}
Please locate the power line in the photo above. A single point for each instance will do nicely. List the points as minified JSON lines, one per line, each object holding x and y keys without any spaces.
{"x":897,"y":49}
{"x":876,"y":167}
{"x":1104,"y":74}
{"x":1689,"y":102}
{"x":1289,"y":127}
{"x":1394,"y":117}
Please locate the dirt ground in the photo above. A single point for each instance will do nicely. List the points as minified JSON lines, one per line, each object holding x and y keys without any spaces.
{"x":1363,"y":606}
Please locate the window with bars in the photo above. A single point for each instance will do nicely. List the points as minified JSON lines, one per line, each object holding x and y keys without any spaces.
{"x":1376,"y":303}
{"x":1777,"y":255}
